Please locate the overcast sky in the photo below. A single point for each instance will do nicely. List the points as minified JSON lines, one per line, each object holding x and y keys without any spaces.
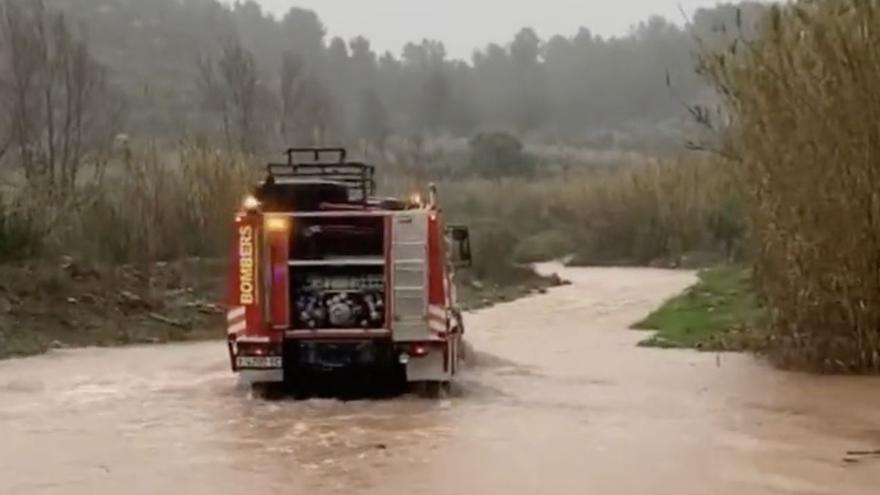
{"x":464,"y":25}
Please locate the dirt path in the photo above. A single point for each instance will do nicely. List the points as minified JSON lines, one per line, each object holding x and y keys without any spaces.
{"x":561,"y":401}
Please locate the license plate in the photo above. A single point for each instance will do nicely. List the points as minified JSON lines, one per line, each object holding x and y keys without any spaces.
{"x":260,"y":362}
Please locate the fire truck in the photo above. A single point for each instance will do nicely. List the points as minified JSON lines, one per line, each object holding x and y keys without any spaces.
{"x":329,"y":280}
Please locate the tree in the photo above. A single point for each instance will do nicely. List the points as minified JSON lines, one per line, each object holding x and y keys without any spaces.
{"x":571,"y":86}
{"x":61,"y":112}
{"x":436,"y":96}
{"x":499,"y":154}
{"x":229,"y":86}
{"x":308,"y":109}
{"x":525,"y":49}
{"x":363,"y":60}
{"x":529,"y":98}
{"x":427,"y":89}
{"x":292,"y":78}
{"x":373,"y":121}
{"x":304,"y":33}
{"x":319,"y":112}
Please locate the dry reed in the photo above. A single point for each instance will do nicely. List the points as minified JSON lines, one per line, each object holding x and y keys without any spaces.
{"x":802,"y":110}
{"x":150,"y":205}
{"x":631,"y":215}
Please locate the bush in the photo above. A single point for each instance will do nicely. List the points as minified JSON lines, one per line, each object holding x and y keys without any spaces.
{"x":499,"y":154}
{"x":19,"y":236}
{"x":543,"y":246}
{"x":493,"y":249}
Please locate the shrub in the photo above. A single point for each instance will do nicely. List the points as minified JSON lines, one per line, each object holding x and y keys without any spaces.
{"x":499,"y":154}
{"x":19,"y":235}
{"x":493,"y":250}
{"x":543,"y":246}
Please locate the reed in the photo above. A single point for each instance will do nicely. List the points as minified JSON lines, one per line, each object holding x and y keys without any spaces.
{"x":802,"y":106}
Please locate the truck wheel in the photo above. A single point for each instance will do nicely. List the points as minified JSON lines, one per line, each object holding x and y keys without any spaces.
{"x":266,"y":391}
{"x":431,"y":390}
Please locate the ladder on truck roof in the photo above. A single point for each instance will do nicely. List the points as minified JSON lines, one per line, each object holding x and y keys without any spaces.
{"x":358,"y":177}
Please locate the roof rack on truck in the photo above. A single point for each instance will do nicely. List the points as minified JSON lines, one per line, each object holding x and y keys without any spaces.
{"x":327,"y":165}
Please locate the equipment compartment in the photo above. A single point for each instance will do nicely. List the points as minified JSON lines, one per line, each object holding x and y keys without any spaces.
{"x":338,"y":297}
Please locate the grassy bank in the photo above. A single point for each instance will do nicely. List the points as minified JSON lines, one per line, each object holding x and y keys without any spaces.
{"x":720,"y":312}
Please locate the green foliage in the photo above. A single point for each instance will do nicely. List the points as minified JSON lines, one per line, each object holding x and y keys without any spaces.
{"x":727,"y":223}
{"x":719,"y":312}
{"x":19,"y":235}
{"x":499,"y":154}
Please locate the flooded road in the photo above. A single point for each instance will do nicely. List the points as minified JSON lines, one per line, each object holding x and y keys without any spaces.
{"x":559,"y":401}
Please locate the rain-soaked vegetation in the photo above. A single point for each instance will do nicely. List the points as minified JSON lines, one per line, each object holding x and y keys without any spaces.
{"x":131,"y":130}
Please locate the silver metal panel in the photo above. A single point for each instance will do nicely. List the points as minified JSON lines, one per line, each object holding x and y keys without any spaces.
{"x":409,"y":306}
{"x":409,"y":275}
{"x":409,"y":256}
{"x":427,"y":369}
{"x":414,"y":251}
{"x":362,"y":261}
{"x":332,"y":214}
{"x":410,"y":227}
{"x":253,"y":377}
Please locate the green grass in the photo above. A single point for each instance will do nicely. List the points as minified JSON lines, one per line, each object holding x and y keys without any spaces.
{"x":720,"y":312}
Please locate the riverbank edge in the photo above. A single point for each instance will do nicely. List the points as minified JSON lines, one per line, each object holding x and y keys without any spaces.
{"x":67,"y":306}
{"x":718,"y":313}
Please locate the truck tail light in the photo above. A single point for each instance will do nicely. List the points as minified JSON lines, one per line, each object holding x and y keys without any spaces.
{"x":414,"y":351}
{"x":259,"y":349}
{"x":419,"y":350}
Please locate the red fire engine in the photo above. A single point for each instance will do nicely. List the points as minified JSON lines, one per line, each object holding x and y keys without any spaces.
{"x":328,"y":279}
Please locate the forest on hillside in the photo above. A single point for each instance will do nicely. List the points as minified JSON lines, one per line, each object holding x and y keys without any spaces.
{"x":201,"y":67}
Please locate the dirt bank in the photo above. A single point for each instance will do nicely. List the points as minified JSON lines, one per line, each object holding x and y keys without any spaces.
{"x":66,"y":303}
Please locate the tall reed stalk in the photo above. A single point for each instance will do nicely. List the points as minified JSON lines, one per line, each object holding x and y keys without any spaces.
{"x":803,"y":103}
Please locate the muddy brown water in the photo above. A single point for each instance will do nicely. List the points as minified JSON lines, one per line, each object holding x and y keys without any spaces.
{"x":559,"y":401}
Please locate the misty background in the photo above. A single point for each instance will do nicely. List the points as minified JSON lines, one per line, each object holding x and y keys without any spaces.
{"x":262,"y":77}
{"x":464,"y":25}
